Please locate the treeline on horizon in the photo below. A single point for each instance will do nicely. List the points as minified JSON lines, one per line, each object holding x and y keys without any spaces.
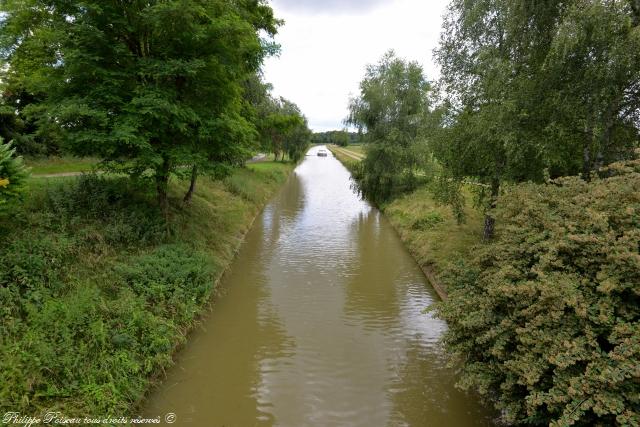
{"x":341,"y":138}
{"x":536,"y":121}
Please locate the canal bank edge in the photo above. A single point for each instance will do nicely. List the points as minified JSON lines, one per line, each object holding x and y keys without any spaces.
{"x":350,"y":162}
{"x":156,"y":378}
{"x":115,"y":289}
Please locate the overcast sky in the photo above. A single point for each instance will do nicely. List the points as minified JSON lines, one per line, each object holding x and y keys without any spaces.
{"x":326,"y":45}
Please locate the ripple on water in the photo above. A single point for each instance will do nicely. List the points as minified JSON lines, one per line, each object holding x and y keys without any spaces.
{"x":323,"y":323}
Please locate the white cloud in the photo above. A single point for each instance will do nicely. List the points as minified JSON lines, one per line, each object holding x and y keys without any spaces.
{"x":329,"y":6}
{"x":324,"y":55}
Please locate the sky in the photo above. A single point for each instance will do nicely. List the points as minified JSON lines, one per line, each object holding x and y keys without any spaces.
{"x":327,"y":44}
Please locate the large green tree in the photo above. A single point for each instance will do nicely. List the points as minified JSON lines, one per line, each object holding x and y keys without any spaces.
{"x":154,"y":85}
{"x":591,"y":82}
{"x":391,"y":110}
{"x":537,"y":86}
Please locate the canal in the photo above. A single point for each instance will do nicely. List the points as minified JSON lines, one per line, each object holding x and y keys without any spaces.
{"x":320,"y":323}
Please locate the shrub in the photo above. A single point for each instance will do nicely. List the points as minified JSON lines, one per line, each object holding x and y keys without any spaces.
{"x":120,"y":208}
{"x":546,"y":319}
{"x":428,"y":221}
{"x":173,"y":279}
{"x":386,"y":172}
{"x":13,"y":175}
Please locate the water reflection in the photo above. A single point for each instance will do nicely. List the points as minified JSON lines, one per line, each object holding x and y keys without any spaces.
{"x":322,"y":324}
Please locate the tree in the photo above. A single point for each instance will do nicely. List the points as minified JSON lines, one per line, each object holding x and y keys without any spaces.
{"x":534,"y":87}
{"x":481,"y":138}
{"x":283,"y":128}
{"x":146,"y":86}
{"x":391,"y":110}
{"x":544,"y":318}
{"x":297,"y":141}
{"x":592,"y":81}
{"x":13,"y":175}
{"x":341,"y":138}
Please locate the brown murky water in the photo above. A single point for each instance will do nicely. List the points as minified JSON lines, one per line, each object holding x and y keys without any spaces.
{"x":321,"y":324}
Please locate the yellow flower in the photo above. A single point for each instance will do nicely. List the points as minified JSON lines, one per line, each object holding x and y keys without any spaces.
{"x":4,"y":182}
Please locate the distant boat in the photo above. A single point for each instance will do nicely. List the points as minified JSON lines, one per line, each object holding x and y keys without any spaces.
{"x":322,"y":153}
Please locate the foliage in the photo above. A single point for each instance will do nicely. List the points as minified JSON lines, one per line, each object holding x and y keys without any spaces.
{"x":392,"y":108}
{"x":283,"y":128}
{"x":430,"y":230}
{"x":545,"y":319}
{"x":591,"y":83}
{"x":341,"y":138}
{"x":427,"y":221}
{"x":13,"y":175}
{"x":145,"y":86}
{"x":536,"y":88}
{"x":96,"y":292}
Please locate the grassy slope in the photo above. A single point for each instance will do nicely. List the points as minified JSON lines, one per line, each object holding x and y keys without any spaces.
{"x":358,"y":148}
{"x":348,"y":161}
{"x":428,"y":229}
{"x":96,"y":292}
{"x":51,"y":165}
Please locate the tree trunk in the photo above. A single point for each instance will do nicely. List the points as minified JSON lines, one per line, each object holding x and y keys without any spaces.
{"x":489,"y":219}
{"x":605,"y":141}
{"x":587,"y":161}
{"x":162,"y":183}
{"x":192,"y":186}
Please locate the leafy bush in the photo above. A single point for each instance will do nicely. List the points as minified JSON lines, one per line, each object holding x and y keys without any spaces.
{"x":385,"y":172}
{"x":13,"y":175}
{"x":173,"y":279}
{"x":122,"y":209}
{"x":546,"y":319}
{"x":428,"y":221}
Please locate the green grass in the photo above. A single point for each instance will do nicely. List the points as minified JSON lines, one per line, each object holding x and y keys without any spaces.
{"x":356,"y":148}
{"x":430,"y":231}
{"x":97,"y":290}
{"x":52,"y":165}
{"x":349,"y":162}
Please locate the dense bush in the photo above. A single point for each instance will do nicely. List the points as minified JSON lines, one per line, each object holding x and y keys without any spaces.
{"x":546,"y":319}
{"x":387,"y":172}
{"x":12,"y":175}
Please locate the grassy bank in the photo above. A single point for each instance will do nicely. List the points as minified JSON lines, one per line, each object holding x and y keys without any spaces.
{"x":67,"y":164}
{"x":431,"y":232}
{"x":97,"y":291}
{"x":349,"y":161}
{"x":428,"y":229}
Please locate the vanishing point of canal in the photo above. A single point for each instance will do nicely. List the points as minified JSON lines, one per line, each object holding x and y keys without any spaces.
{"x":321,"y":323}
